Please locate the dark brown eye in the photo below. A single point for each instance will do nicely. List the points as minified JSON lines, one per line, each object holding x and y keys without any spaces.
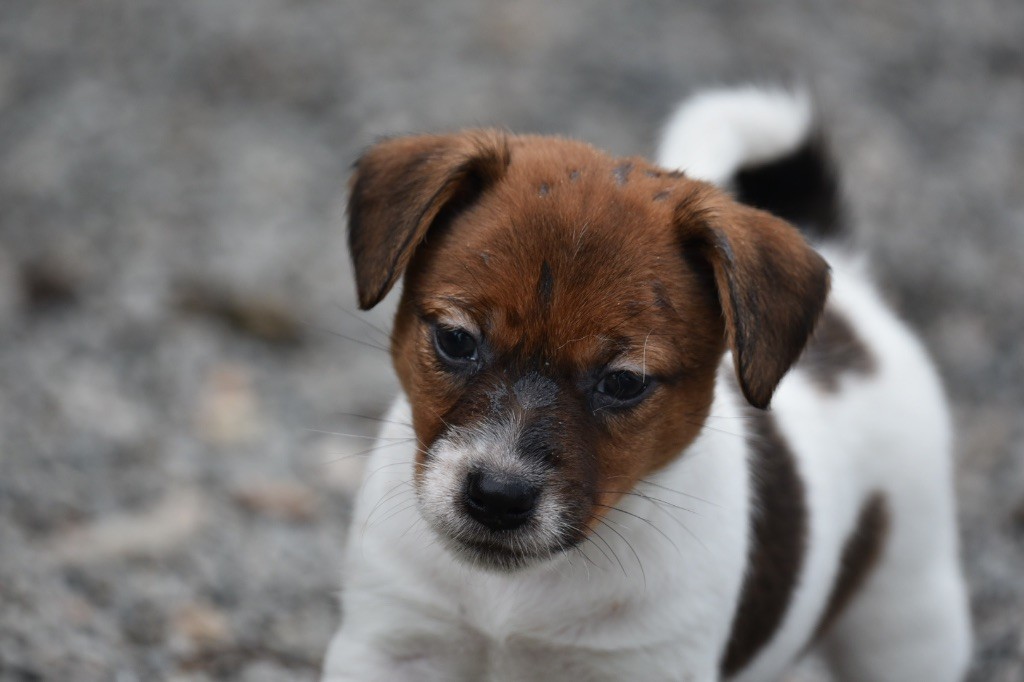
{"x":455,"y":344}
{"x":623,"y":386}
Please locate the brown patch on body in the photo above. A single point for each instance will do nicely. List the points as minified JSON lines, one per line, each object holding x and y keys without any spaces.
{"x":861,"y":552}
{"x":778,"y":537}
{"x":834,"y":350}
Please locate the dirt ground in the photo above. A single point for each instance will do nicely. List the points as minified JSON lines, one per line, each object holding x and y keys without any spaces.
{"x":175,"y":289}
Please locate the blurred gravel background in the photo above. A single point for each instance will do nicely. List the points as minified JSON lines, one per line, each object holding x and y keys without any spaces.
{"x":173,"y":277}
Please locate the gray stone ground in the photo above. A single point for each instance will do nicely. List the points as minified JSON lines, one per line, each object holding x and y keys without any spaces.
{"x":172,"y":265}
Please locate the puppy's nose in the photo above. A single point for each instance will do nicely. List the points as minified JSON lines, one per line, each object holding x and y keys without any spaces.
{"x":500,"y":503}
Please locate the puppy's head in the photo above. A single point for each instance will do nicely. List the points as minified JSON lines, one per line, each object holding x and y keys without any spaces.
{"x":561,"y":323}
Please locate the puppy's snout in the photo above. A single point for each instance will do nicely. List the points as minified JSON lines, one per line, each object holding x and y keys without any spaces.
{"x":500,"y":502}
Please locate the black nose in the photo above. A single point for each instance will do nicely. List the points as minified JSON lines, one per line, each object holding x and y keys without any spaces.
{"x":500,"y":503}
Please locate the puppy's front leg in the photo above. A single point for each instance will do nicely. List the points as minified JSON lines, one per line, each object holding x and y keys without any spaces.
{"x":378,"y":643}
{"x":352,"y":659}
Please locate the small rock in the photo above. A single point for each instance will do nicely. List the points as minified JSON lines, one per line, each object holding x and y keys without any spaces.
{"x":1017,"y":520}
{"x":77,"y":611}
{"x":266,"y":319}
{"x":48,"y":283}
{"x":278,"y":499}
{"x":261,"y":671}
{"x":155,"y":532}
{"x":203,"y":625}
{"x":143,"y":622}
{"x":229,"y":412}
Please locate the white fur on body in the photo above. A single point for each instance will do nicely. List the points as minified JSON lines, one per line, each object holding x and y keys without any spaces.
{"x":652,"y":597}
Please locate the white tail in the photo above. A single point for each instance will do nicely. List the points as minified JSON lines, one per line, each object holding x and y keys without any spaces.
{"x":715,"y":133}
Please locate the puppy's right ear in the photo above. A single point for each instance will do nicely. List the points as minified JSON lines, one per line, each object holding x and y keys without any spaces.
{"x":400,"y":188}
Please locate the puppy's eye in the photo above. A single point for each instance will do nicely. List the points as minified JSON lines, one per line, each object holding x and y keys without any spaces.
{"x":623,"y":386}
{"x":455,"y":344}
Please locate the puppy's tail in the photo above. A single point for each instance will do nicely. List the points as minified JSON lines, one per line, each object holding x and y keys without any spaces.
{"x":762,"y":143}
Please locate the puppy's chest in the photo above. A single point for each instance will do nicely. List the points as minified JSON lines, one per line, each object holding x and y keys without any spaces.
{"x":547,"y":635}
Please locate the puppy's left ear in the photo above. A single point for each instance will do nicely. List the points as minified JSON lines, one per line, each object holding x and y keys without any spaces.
{"x":771,"y":284}
{"x":400,"y":188}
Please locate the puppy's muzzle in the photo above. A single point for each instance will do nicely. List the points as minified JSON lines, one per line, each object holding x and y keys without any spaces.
{"x":500,"y":502}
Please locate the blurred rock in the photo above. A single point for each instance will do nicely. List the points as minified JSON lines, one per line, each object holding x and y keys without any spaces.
{"x":10,"y":287}
{"x":143,"y":622}
{"x":259,"y":317}
{"x":278,"y":499}
{"x":155,"y":532}
{"x":268,"y":672}
{"x":229,"y":412}
{"x":49,"y":282}
{"x":202,"y":626}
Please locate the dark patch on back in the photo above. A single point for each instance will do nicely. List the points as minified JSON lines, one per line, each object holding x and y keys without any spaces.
{"x":544,"y":190}
{"x":546,"y":284}
{"x":861,"y":552}
{"x":621,"y":173}
{"x":661,"y":196}
{"x":801,"y":187}
{"x":778,"y":537}
{"x":833,"y":350}
{"x":574,"y":175}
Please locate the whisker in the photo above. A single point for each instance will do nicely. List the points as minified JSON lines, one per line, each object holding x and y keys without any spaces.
{"x":375,"y":419}
{"x":332,"y":332}
{"x":396,"y":512}
{"x":369,"y":324}
{"x":647,"y":521}
{"x":356,"y":435}
{"x":385,"y":466}
{"x":678,"y":492}
{"x":368,"y":451}
{"x":649,"y":498}
{"x":639,"y":563}
{"x":390,"y":494}
{"x":606,"y":544}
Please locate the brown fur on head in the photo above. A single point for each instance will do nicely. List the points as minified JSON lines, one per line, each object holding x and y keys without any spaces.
{"x":565,"y":266}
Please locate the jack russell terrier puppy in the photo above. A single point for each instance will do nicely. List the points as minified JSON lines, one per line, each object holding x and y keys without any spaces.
{"x":582,"y":479}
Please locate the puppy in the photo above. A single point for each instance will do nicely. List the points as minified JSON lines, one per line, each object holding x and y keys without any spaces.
{"x":582,"y":480}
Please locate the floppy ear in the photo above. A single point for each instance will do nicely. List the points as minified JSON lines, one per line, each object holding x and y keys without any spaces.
{"x":400,"y":188}
{"x":771,"y":285}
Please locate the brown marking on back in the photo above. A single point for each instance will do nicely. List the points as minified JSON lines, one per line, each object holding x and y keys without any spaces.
{"x":861,"y":552}
{"x":778,"y":537}
{"x":834,"y":350}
